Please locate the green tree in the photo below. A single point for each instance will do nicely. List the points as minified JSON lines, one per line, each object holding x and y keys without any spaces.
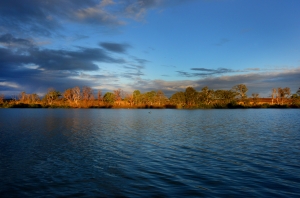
{"x":178,"y":99}
{"x":109,"y":98}
{"x":206,"y":95}
{"x":241,"y":90}
{"x":191,"y":96}
{"x":224,"y":97}
{"x":136,"y":97}
{"x":149,"y":97}
{"x":160,"y":97}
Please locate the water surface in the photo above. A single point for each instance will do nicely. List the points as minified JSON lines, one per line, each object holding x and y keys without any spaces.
{"x":146,"y":153}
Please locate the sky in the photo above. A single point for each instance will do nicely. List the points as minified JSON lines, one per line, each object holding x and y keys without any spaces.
{"x":149,"y":45}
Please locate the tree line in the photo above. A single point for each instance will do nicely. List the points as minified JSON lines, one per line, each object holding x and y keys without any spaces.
{"x":236,"y":97}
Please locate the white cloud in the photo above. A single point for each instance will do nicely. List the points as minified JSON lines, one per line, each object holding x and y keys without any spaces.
{"x":9,"y":84}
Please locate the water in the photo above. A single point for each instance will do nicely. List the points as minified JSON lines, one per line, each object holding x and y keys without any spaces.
{"x":134,"y":153}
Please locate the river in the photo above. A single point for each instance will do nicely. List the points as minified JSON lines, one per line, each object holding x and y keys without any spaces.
{"x":149,"y":153}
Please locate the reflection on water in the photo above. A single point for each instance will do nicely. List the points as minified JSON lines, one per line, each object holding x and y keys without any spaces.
{"x":175,"y":153}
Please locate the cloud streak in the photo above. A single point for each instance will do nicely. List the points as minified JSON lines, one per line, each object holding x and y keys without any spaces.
{"x":205,"y":72}
{"x":115,"y":47}
{"x":261,"y":83}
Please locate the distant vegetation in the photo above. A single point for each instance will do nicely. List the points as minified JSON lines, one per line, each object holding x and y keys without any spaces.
{"x":190,"y":98}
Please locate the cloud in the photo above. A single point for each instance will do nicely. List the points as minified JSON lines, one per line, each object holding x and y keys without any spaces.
{"x":9,"y":84}
{"x":115,"y":47}
{"x":35,"y":69}
{"x":8,"y":40}
{"x":46,"y":18}
{"x":253,"y":69}
{"x":97,"y":15}
{"x":261,"y":83}
{"x":222,"y":42}
{"x":51,"y":59}
{"x":138,"y":8}
{"x":205,"y":72}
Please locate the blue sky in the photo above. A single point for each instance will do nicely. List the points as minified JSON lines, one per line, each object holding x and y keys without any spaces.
{"x":149,"y":45}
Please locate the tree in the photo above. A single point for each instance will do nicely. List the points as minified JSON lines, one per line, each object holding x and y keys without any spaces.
{"x":1,"y":98}
{"x":23,"y":97}
{"x":149,"y":97}
{"x":68,"y":95}
{"x":34,"y":98}
{"x":274,"y":94}
{"x":255,"y":97}
{"x":72,"y":95}
{"x":206,"y":95}
{"x":118,"y":96}
{"x":224,"y":96}
{"x":99,"y":96}
{"x":298,"y":92}
{"x":52,"y":95}
{"x":136,"y":97}
{"x":129,"y":98}
{"x":76,"y":95}
{"x":178,"y":99}
{"x":87,"y":94}
{"x":109,"y":98}
{"x":284,"y":93}
{"x":160,"y":97}
{"x":190,"y":96}
{"x":241,"y":90}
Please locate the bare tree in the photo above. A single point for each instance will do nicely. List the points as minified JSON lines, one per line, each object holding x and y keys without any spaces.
{"x":1,"y":98}
{"x":76,"y":95}
{"x":23,"y":97}
{"x":129,"y":98}
{"x":34,"y":98}
{"x":255,"y":97}
{"x":241,"y":90}
{"x":68,"y":95}
{"x":284,"y":93}
{"x":99,"y":96}
{"x":118,"y":96}
{"x":52,"y":95}
{"x":274,"y":94}
{"x":87,"y":93}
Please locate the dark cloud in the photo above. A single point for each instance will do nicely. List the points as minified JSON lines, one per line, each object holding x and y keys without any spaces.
{"x":115,"y":47}
{"x":261,"y":83}
{"x":205,"y":72}
{"x":27,"y":67}
{"x":9,"y":41}
{"x":48,"y":17}
{"x":45,"y":17}
{"x":82,"y":59}
{"x":50,"y":59}
{"x":24,"y":66}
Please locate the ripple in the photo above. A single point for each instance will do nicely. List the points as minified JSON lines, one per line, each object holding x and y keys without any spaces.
{"x":129,"y":153}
